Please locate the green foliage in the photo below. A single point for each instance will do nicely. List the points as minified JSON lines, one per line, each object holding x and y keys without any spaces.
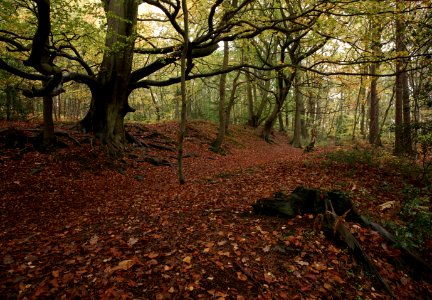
{"x":341,"y":128}
{"x":424,"y":139}
{"x":352,"y":157}
{"x":417,"y":217}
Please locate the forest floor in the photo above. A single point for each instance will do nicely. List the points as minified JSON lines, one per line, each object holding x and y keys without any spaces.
{"x":75,"y":225}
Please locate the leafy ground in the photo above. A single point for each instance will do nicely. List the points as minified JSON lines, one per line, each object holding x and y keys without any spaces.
{"x":75,"y":225}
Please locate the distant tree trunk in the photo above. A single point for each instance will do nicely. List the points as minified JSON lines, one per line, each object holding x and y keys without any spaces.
{"x":48,"y":128}
{"x":408,"y":149}
{"x":216,"y":145}
{"x":284,"y":85}
{"x":257,"y":117}
{"x":110,"y":97}
{"x":374,"y":134}
{"x":403,"y":142}
{"x":281,"y":122}
{"x":11,"y":95}
{"x":231,"y":100}
{"x":177,"y":99}
{"x":374,"y":138}
{"x":250,"y":101}
{"x":386,"y":112}
{"x":360,"y":99}
{"x":303,"y":123}
{"x":59,"y":107}
{"x":363,"y":118}
{"x":156,"y":105}
{"x":311,"y":111}
{"x":299,"y":111}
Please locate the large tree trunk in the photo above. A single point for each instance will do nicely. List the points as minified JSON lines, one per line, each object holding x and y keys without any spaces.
{"x":110,"y":98}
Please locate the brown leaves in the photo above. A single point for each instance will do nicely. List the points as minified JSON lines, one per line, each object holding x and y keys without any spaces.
{"x":123,"y":265}
{"x":80,"y":229}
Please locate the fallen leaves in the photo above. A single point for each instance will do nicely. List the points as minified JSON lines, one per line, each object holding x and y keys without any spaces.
{"x":80,"y":229}
{"x":123,"y":265}
{"x":187,"y":259}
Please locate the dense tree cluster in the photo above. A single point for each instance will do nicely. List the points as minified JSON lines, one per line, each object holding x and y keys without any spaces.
{"x":321,"y":68}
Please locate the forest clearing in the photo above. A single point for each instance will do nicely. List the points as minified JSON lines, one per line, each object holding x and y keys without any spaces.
{"x":128,"y":230}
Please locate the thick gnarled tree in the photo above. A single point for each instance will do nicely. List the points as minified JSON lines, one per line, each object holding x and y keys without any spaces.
{"x":114,"y":78}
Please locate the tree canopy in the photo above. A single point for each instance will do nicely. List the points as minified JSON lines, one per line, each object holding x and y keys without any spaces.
{"x":117,"y":47}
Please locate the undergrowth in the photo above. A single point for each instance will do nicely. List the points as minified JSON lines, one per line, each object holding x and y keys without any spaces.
{"x":351,"y":157}
{"x":417,"y":217}
{"x":415,"y":213}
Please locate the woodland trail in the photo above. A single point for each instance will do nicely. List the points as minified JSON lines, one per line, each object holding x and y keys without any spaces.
{"x":74,"y":225}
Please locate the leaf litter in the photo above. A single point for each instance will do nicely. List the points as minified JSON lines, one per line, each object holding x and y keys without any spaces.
{"x":79,"y":228}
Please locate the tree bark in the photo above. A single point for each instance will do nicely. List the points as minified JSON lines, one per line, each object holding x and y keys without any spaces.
{"x":185,"y":61}
{"x":48,"y":128}
{"x":360,"y":99}
{"x":231,"y":100}
{"x":250,"y":99}
{"x":374,"y":134}
{"x":374,"y":138}
{"x":110,"y":97}
{"x":284,"y":85}
{"x":216,"y":145}
{"x":407,"y":139}
{"x":398,"y":150}
{"x":299,"y":109}
{"x":264,"y":91}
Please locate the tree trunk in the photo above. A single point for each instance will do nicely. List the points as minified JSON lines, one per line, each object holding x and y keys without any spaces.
{"x":374,"y":138}
{"x":216,"y":145}
{"x":284,"y":85}
{"x":360,"y":98}
{"x":407,"y":140}
{"x":110,"y":98}
{"x":402,"y":94}
{"x":9,"y":101}
{"x":231,"y":100}
{"x":185,"y":61}
{"x":281,"y":122}
{"x":250,"y":101}
{"x":363,"y":118}
{"x":48,"y":128}
{"x":157,"y":107}
{"x":299,"y":110}
{"x":257,"y":116}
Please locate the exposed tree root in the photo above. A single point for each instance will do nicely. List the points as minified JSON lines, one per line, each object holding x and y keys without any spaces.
{"x":336,"y":229}
{"x":17,"y":137}
{"x":335,"y":207}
